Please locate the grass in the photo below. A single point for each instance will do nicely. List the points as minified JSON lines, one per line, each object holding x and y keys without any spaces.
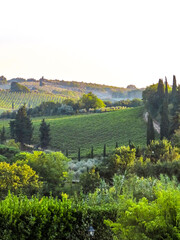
{"x":85,"y":131}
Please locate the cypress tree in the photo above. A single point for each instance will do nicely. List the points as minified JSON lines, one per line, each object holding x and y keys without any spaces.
{"x":166,"y":88}
{"x":44,"y":134}
{"x":116,"y":144}
{"x":164,"y":125}
{"x":160,"y":92}
{"x":174,"y":88}
{"x":3,"y":135}
{"x":150,"y":130}
{"x":67,"y":153}
{"x":92,"y":152}
{"x":79,"y":154}
{"x":104,"y":151}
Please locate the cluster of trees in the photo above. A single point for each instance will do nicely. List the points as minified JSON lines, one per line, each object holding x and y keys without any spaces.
{"x":136,"y":102}
{"x":21,"y":129}
{"x":16,"y":87}
{"x":163,"y":103}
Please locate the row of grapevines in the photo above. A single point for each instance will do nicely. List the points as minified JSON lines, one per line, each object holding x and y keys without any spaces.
{"x":33,"y":99}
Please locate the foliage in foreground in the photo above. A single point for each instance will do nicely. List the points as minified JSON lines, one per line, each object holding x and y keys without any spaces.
{"x":147,"y":220}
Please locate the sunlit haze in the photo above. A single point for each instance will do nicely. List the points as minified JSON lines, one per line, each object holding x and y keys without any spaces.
{"x":108,"y":42}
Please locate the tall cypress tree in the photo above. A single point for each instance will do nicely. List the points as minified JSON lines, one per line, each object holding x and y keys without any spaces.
{"x":44,"y":134}
{"x":174,"y":88}
{"x":166,"y":88}
{"x":160,"y":92}
{"x":150,"y":130}
{"x":164,"y":125}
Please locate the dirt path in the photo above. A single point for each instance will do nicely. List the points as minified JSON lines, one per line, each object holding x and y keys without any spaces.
{"x":155,"y":123}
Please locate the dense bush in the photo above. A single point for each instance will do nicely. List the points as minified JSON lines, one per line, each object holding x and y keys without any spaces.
{"x":52,"y":219}
{"x":146,"y":220}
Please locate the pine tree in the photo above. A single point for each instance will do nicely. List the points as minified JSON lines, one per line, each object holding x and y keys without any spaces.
{"x":164,"y":125}
{"x":44,"y":134}
{"x":150,"y":130}
{"x":3,"y":135}
{"x":22,"y":127}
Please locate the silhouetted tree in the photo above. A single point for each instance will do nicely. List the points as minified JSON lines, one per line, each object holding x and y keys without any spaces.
{"x":174,"y":88}
{"x":166,"y":88}
{"x":44,"y":134}
{"x":22,"y":127}
{"x":160,"y":92}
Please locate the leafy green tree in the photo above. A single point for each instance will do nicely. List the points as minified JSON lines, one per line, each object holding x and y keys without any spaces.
{"x":44,"y":134}
{"x":158,"y":150}
{"x":3,"y":135}
{"x":18,"y":178}
{"x":150,"y":130}
{"x":91,"y":101}
{"x":122,"y":159}
{"x":150,"y":98}
{"x":51,"y":167}
{"x":22,"y":127}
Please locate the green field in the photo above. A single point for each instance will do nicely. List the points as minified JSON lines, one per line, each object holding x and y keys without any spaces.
{"x":84,"y":131}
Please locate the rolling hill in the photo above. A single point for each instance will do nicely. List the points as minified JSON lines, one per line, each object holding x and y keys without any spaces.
{"x":97,"y":129}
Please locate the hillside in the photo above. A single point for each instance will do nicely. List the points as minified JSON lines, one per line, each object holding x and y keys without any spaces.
{"x":74,"y":89}
{"x":85,"y":131}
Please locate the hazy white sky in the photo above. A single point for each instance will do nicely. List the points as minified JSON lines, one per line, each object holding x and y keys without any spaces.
{"x":114,"y":42}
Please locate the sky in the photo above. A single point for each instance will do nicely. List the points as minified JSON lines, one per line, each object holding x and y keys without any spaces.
{"x":112,"y":42}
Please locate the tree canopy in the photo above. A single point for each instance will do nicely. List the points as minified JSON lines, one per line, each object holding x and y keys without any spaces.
{"x":90,"y":100}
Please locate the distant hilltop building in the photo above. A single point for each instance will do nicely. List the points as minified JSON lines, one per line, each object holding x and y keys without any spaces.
{"x":41,"y":81}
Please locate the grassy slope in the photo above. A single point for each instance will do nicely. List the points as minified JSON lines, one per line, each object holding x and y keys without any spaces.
{"x":95,"y":130}
{"x":84,"y":131}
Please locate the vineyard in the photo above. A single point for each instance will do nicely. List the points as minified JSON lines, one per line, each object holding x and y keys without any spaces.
{"x":84,"y":131}
{"x":9,"y":100}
